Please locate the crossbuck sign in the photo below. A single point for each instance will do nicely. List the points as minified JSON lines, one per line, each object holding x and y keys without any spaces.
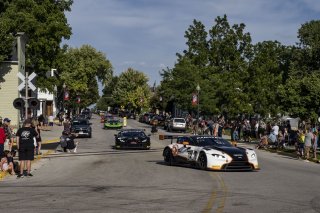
{"x":24,"y":79}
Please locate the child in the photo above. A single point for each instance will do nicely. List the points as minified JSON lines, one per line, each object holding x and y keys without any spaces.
{"x":6,"y":163}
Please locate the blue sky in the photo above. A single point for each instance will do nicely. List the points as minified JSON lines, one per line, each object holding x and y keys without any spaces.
{"x":147,"y":34}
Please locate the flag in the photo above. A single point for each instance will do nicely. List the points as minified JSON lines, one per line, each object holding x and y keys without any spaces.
{"x":194,"y":99}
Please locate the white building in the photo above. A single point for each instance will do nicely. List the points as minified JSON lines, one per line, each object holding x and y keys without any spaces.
{"x":48,"y":103}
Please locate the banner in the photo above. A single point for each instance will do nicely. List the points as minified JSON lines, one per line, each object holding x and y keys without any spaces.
{"x":66,"y":96}
{"x":194,"y":99}
{"x":78,"y":99}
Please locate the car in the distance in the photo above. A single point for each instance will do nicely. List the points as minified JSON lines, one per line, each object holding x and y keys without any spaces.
{"x":177,"y":124}
{"x":82,"y":127}
{"x":113,"y":123}
{"x":132,"y":139}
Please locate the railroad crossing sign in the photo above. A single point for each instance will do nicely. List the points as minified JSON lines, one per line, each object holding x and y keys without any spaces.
{"x":29,"y":79}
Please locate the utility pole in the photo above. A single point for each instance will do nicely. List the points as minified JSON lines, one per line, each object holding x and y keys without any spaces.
{"x":26,"y":96}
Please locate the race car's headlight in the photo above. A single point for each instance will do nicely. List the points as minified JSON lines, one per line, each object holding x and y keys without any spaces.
{"x":121,"y":140}
{"x":253,"y":155}
{"x":218,"y":156}
{"x":143,"y":141}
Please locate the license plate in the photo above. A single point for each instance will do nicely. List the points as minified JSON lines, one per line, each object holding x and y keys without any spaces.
{"x":80,"y":132}
{"x":133,"y":142}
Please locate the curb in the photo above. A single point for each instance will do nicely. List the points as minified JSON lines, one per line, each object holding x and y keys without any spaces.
{"x":37,"y":158}
{"x":51,"y":141}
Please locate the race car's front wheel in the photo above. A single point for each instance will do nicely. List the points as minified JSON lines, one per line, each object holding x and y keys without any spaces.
{"x":202,"y":161}
{"x":168,"y":157}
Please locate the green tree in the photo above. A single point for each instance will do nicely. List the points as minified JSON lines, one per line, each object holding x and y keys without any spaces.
{"x":132,"y":89}
{"x":80,"y":69}
{"x":45,"y":25}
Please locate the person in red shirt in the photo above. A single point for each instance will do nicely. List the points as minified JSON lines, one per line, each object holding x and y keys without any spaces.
{"x":2,"y":140}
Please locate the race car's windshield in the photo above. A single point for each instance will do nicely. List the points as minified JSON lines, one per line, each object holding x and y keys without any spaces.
{"x":211,"y":141}
{"x":131,"y":134}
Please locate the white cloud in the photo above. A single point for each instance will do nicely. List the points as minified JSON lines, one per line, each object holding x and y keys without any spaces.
{"x":146,"y":34}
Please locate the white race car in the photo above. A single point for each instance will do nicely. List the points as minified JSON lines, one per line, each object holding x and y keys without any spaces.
{"x":208,"y":152}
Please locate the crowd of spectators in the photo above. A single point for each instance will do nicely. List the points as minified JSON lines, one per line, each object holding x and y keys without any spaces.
{"x":268,"y":134}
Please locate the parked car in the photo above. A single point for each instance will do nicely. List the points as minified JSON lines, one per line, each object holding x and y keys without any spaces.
{"x":157,"y":120}
{"x":177,"y":124}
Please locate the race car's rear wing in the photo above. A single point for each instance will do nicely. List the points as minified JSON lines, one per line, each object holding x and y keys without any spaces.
{"x":171,"y":137}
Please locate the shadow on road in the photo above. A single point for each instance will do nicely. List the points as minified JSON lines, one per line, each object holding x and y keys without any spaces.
{"x":111,"y":152}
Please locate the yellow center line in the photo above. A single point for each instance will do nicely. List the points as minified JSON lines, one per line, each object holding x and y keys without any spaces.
{"x":210,"y":202}
{"x":224,"y":196}
{"x":221,"y":186}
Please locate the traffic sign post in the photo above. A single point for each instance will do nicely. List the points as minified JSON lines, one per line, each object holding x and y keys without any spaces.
{"x":26,"y":83}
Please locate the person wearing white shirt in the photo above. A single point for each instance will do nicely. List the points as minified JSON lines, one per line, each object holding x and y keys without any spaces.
{"x":275,"y":130}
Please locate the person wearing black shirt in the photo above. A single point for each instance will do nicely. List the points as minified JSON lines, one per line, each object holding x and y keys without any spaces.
{"x":67,"y":142}
{"x":25,"y":144}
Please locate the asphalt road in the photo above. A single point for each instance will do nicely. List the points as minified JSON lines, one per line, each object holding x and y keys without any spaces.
{"x":101,"y":179}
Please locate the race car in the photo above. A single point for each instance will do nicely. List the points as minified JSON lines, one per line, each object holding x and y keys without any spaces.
{"x":132,"y":139}
{"x":113,"y":123}
{"x":209,"y":153}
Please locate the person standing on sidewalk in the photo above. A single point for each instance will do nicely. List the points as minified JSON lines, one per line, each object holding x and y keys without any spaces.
{"x":35,"y":125}
{"x":2,"y":140}
{"x":9,"y":136}
{"x":25,"y":144}
{"x":308,"y":143}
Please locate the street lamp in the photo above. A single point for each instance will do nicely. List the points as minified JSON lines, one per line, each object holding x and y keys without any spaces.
{"x":198,"y":104}
{"x":64,"y":94}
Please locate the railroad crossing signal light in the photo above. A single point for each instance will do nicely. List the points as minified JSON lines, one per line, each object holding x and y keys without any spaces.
{"x":18,"y":103}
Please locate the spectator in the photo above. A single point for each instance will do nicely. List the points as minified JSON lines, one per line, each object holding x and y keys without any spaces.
{"x":67,"y":142}
{"x":263,"y":141}
{"x":9,"y":135}
{"x":60,"y":118}
{"x":25,"y":144}
{"x":51,"y":119}
{"x":41,"y":120}
{"x":256,"y":129}
{"x":308,"y":143}
{"x":315,"y":144}
{"x":36,"y":126}
{"x":221,"y":126}
{"x":6,"y":163}
{"x":275,"y":129}
{"x":301,"y":140}
{"x":67,"y":125}
{"x":210,"y":126}
{"x":2,"y":140}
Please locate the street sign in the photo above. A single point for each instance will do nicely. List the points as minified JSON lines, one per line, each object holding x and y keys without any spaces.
{"x":30,"y":84}
{"x":23,"y":83}
{"x":23,"y":79}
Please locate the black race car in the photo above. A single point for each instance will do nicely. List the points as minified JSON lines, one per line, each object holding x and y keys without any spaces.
{"x":132,"y":139}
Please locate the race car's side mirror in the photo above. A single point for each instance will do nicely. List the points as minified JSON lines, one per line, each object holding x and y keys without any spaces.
{"x":185,"y":143}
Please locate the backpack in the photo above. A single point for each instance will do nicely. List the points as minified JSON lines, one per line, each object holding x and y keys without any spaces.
{"x":63,"y":141}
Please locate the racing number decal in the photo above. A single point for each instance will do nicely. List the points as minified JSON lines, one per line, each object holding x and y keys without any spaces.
{"x":174,"y":150}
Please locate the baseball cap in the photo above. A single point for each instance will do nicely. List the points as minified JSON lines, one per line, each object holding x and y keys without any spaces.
{"x":6,"y":120}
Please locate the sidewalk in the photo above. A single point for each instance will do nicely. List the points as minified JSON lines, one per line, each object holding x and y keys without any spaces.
{"x":50,"y":141}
